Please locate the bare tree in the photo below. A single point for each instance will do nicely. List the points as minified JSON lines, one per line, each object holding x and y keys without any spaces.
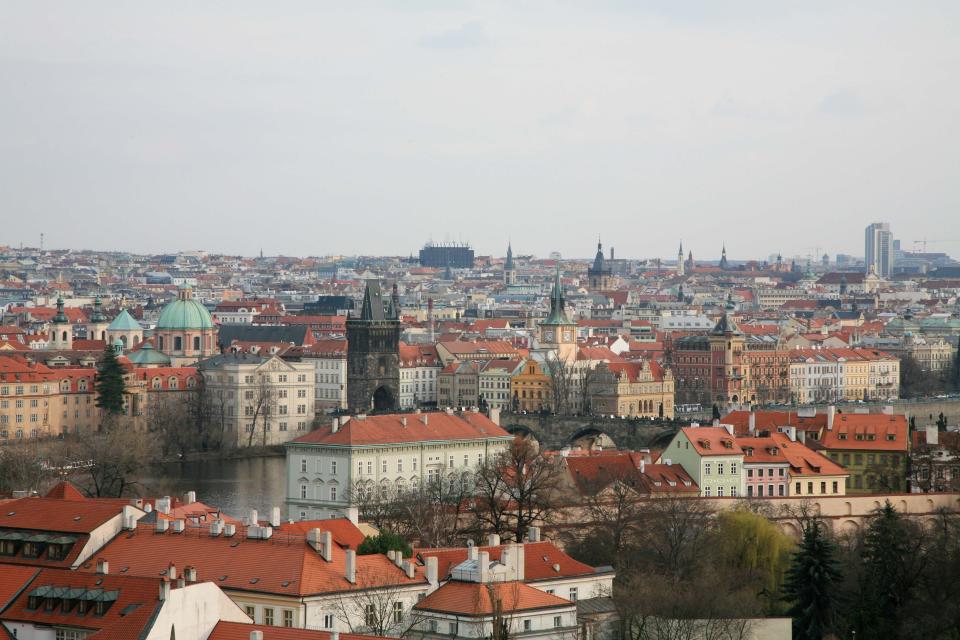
{"x":24,"y":467}
{"x":115,"y":456}
{"x":378,"y":609}
{"x":259,"y":404}
{"x":614,"y":505}
{"x":169,"y":416}
{"x":516,"y":490}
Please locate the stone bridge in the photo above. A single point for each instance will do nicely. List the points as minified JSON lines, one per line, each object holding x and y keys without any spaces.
{"x":553,"y":432}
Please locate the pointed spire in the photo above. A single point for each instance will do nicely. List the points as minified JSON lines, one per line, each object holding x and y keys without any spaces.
{"x":557,"y":302}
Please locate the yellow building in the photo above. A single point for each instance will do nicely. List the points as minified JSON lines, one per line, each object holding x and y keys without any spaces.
{"x":631,"y":389}
{"x":531,"y":388}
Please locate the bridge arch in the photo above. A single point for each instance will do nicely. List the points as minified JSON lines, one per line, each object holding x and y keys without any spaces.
{"x":591,"y":438}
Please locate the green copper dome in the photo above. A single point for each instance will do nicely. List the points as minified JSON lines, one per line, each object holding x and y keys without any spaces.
{"x":184,"y":313}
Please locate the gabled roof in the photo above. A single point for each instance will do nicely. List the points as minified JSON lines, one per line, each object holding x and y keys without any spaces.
{"x":867,"y":432}
{"x":712,"y":441}
{"x":389,"y":429}
{"x":473,"y":599}
{"x":283,"y":565}
{"x":133,"y":602}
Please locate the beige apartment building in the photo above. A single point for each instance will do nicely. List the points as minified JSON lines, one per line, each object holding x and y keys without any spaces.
{"x":266,"y":400}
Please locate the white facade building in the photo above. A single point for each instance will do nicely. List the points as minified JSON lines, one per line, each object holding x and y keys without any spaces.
{"x":384,"y":453}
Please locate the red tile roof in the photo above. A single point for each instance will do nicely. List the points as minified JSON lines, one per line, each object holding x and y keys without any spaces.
{"x":50,"y":514}
{"x":474,"y":599}
{"x":125,"y":619}
{"x":387,"y":429}
{"x":867,"y":432}
{"x":344,"y":533}
{"x":284,"y":564}
{"x":13,"y":579}
{"x":777,"y":448}
{"x":712,"y":441}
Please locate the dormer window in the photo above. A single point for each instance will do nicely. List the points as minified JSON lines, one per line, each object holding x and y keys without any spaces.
{"x":841,"y":436}
{"x":891,"y":437}
{"x":33,"y":602}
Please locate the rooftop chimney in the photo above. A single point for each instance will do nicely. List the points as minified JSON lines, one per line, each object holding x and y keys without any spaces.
{"x":484,"y":565}
{"x":189,"y":497}
{"x":752,"y":423}
{"x":433,"y":567}
{"x":933,"y":435}
{"x":275,"y":517}
{"x":253,"y":517}
{"x":256,"y":635}
{"x":792,"y":434}
{"x":162,"y":524}
{"x":190,"y":574}
{"x":178,"y":526}
{"x":493,"y":540}
{"x":495,"y":416}
{"x":229,"y":529}
{"x":424,"y":418}
{"x":326,"y":545}
{"x":729,"y":428}
{"x":216,"y":528}
{"x":164,"y":588}
{"x":409,"y":568}
{"x":335,"y":425}
{"x":172,"y":571}
{"x":103,"y":567}
{"x":163,"y":505}
{"x":533,"y":533}
{"x":351,"y":566}
{"x":831,"y":416}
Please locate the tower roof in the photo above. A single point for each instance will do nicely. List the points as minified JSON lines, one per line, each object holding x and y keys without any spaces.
{"x":61,"y":316}
{"x":98,"y":311}
{"x":725,"y":326}
{"x":508,"y":265}
{"x":557,"y":303}
{"x":375,"y":307}
{"x":124,"y":322}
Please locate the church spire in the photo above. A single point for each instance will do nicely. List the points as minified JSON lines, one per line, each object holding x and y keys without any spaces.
{"x":557,"y":302}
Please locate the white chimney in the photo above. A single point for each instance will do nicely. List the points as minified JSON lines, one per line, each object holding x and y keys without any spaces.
{"x":253,"y":517}
{"x":103,"y":567}
{"x":164,"y":589}
{"x":933,"y":436}
{"x":668,"y":462}
{"x":520,"y":559}
{"x":334,"y":635}
{"x":472,"y":552}
{"x":178,"y":526}
{"x":752,"y":423}
{"x":495,"y":416}
{"x":190,"y":573}
{"x":172,"y":571}
{"x":190,"y":497}
{"x":351,"y":566}
{"x":229,"y":529}
{"x":162,"y":524}
{"x":716,"y":422}
{"x":256,"y":635}
{"x":409,"y":568}
{"x":275,"y":516}
{"x":493,"y":540}
{"x":163,"y":505}
{"x":424,"y":418}
{"x":484,"y":563}
{"x":216,"y":528}
{"x":433,"y":567}
{"x":148,"y":508}
{"x":831,"y":415}
{"x":792,"y":434}
{"x":335,"y":425}
{"x":326,"y":546}
{"x":729,"y":428}
{"x":643,"y":465}
{"x":533,"y":533}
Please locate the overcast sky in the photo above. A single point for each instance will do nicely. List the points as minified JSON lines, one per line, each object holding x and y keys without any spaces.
{"x":312,"y":128}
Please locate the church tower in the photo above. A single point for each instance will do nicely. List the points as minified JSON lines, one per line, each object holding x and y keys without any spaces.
{"x":509,"y":269}
{"x":373,"y":353}
{"x":600,"y":276}
{"x":97,"y":327}
{"x":557,"y":332}
{"x":723,"y":257}
{"x":61,"y":333}
{"x":727,"y":345}
{"x":680,"y":267}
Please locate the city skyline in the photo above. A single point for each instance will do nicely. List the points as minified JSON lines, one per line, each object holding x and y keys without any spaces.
{"x":373,"y":128}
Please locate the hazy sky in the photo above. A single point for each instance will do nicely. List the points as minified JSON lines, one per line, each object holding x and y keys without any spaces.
{"x":366,"y":127}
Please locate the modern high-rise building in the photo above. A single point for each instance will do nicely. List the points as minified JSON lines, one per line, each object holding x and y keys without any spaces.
{"x":878,"y":253}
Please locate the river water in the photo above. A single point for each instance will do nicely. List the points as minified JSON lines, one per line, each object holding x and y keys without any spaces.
{"x":235,"y":486}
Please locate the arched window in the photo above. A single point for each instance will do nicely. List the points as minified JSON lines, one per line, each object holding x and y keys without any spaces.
{"x":156,"y":383}
{"x":136,"y":340}
{"x":173,"y":383}
{"x":123,"y":340}
{"x":64,"y":336}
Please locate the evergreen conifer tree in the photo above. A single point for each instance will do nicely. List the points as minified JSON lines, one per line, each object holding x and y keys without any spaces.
{"x":812,"y":585}
{"x":885,"y":583}
{"x":109,"y":383}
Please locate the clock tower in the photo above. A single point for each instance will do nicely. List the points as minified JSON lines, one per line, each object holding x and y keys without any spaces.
{"x":557,"y":332}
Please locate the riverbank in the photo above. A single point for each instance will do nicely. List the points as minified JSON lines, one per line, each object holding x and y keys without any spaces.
{"x":240,"y":453}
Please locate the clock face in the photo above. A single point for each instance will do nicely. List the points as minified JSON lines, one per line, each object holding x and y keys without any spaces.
{"x":548,"y":336}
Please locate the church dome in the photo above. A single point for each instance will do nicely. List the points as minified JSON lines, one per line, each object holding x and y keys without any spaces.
{"x":184,"y":313}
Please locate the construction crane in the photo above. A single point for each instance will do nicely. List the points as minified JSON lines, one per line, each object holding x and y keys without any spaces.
{"x":925,"y":242}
